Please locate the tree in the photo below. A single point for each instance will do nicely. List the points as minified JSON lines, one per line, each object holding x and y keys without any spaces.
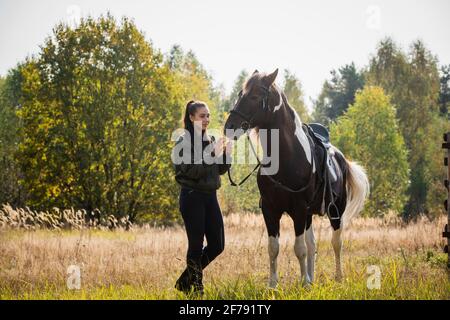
{"x":293,"y":91}
{"x":444,"y":93}
{"x":412,"y":81}
{"x":194,"y":83}
{"x":338,"y":93}
{"x":97,"y":106}
{"x":228,"y":102}
{"x":10,"y":173}
{"x":368,"y":132}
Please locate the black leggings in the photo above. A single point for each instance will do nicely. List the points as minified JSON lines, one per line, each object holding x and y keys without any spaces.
{"x":202,"y":217}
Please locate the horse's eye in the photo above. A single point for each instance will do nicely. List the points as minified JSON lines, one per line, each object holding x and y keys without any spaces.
{"x":240,"y":93}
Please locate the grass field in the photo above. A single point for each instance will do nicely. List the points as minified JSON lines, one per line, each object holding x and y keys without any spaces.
{"x":144,"y":263}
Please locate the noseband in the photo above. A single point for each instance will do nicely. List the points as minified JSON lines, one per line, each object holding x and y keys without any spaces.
{"x":247,"y":121}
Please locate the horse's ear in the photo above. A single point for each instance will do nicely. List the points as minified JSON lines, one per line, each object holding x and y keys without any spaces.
{"x":254,"y":72}
{"x":270,"y":79}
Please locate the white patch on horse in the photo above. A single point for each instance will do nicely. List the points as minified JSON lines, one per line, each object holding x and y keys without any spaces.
{"x":274,"y":248}
{"x":311,"y":252}
{"x":336,"y":241}
{"x":277,"y":107}
{"x":301,"y":251}
{"x":303,"y":139}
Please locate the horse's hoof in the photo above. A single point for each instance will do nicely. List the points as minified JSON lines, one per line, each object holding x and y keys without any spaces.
{"x":306,"y":283}
{"x":272,"y":284}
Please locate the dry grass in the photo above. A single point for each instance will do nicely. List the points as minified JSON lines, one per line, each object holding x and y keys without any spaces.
{"x":25,"y":218}
{"x":143,"y":263}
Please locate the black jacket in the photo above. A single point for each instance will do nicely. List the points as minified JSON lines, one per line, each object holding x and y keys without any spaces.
{"x":201,"y":177}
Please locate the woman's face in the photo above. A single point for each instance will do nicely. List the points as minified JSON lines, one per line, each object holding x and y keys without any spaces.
{"x":201,"y":115}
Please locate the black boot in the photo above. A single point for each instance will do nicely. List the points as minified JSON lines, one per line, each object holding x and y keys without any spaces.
{"x":184,"y":282}
{"x":191,"y":280}
{"x":197,"y":278}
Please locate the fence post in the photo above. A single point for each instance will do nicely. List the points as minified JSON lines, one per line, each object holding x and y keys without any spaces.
{"x":446,"y":233}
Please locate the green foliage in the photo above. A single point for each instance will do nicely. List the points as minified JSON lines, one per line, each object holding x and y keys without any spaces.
{"x":368,"y":132}
{"x":444,"y":93}
{"x":97,"y":106}
{"x":194,"y":83}
{"x":244,"y":198}
{"x":338,"y":93}
{"x":293,"y":90}
{"x":228,"y":103}
{"x":10,"y":190}
{"x":412,"y":82}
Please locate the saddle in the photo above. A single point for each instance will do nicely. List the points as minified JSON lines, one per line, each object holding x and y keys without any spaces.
{"x":323,"y":136}
{"x":327,"y":166}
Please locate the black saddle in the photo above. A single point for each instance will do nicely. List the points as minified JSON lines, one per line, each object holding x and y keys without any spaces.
{"x":322,"y":138}
{"x":321,"y":133}
{"x":328,"y":167}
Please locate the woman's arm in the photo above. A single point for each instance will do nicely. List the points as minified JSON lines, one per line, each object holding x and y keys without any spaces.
{"x":189,"y":170}
{"x":192,"y":171}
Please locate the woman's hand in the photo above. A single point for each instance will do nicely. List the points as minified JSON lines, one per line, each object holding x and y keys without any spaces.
{"x":219,"y":147}
{"x":222,"y":145}
{"x":229,"y":147}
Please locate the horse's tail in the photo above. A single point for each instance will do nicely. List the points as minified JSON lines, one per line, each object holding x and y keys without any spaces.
{"x":358,"y":190}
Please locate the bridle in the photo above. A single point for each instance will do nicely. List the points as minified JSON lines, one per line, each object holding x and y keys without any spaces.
{"x":245,"y":126}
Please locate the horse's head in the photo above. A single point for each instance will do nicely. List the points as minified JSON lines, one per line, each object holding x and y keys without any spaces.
{"x":258,"y":98}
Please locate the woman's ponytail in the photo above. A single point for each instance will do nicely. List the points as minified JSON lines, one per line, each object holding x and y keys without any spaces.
{"x":191,"y":109}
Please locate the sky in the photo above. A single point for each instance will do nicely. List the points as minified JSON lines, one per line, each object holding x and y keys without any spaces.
{"x":310,"y":38}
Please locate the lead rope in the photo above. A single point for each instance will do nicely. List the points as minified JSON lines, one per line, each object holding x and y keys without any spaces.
{"x":248,"y":176}
{"x":277,"y":183}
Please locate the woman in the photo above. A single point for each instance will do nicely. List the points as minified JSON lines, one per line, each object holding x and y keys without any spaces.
{"x":198,"y":199}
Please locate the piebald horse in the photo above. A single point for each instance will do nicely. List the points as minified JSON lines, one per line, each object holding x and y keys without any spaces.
{"x":297,"y":187}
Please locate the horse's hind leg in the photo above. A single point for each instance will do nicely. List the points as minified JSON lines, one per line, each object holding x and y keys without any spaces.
{"x":336,"y":241}
{"x":310,"y":247}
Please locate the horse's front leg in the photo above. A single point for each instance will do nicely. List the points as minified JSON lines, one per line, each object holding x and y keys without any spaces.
{"x":300,"y":247}
{"x":272,"y":221}
{"x":310,"y":247}
{"x":274,"y":248}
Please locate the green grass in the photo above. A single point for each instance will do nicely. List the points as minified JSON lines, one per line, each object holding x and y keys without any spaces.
{"x":423,"y":276}
{"x":144,"y":264}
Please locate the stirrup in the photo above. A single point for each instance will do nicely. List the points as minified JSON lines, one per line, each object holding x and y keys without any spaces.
{"x":331,"y":205}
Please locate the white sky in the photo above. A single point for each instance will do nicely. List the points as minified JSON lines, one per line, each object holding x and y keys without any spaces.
{"x":308,"y":37}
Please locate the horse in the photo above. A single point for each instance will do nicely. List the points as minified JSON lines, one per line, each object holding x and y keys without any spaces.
{"x":302,"y":185}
